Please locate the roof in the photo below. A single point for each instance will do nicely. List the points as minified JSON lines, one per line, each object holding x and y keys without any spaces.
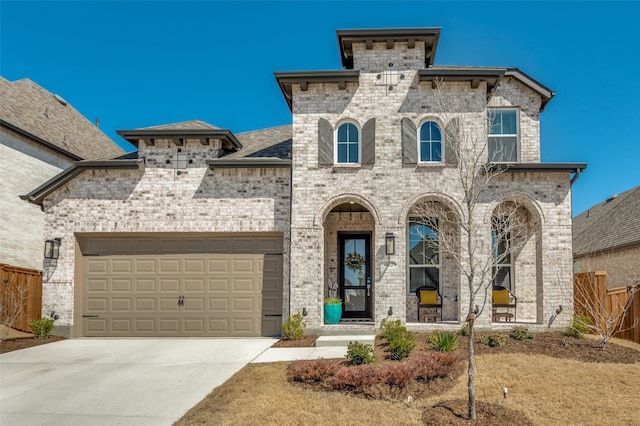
{"x":612,"y":224}
{"x":48,"y":119}
{"x":193,"y":129}
{"x":262,"y":148}
{"x":429,"y":36}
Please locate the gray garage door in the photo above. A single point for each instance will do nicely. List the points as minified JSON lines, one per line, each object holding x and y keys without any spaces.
{"x":172,"y":286}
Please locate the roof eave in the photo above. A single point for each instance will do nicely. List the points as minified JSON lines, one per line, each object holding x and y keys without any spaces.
{"x":37,"y":195}
{"x":545,"y":93}
{"x":492,"y":76}
{"x":536,"y":167}
{"x":134,"y":136}
{"x":346,"y":38}
{"x":287,"y":79}
{"x":39,"y":140}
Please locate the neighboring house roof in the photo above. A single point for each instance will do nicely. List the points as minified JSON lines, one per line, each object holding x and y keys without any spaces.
{"x":610,"y":225}
{"x":48,"y":119}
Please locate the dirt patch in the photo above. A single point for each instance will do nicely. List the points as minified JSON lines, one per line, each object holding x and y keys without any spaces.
{"x":454,"y":413}
{"x":23,"y":343}
{"x":307,"y":341}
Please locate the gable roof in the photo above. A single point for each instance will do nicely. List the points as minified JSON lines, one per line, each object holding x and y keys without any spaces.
{"x":612,"y":224}
{"x":48,"y":119}
{"x":183,"y":125}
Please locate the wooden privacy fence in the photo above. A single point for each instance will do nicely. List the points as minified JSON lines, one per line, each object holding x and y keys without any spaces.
{"x":591,"y":295}
{"x":20,"y":296}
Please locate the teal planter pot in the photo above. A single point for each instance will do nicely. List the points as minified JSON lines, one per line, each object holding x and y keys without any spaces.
{"x":332,"y":313}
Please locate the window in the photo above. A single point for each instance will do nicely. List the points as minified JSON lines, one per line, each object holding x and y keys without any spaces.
{"x":500,"y":243}
{"x":348,"y":144}
{"x":424,"y":256}
{"x":503,"y":135}
{"x":430,"y":146}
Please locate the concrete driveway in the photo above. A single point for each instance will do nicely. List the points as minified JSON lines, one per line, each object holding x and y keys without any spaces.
{"x":117,"y":381}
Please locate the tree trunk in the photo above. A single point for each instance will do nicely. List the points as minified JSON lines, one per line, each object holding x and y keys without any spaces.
{"x":471,"y":370}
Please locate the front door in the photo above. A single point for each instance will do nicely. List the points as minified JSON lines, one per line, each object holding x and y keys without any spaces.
{"x":356,"y":285}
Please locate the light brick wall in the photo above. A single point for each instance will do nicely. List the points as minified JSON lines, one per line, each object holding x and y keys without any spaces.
{"x":159,"y":200}
{"x":389,"y":188}
{"x":24,"y":165}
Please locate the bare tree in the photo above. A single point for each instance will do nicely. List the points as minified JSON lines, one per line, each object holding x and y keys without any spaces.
{"x":606,"y":304}
{"x":460,"y":233}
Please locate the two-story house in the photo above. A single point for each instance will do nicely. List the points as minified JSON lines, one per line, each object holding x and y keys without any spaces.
{"x":203,"y":232}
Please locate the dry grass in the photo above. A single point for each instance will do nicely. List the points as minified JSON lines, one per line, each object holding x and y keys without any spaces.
{"x":549,"y":391}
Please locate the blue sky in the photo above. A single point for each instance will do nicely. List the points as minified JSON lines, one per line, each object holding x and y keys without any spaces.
{"x":137,"y":64}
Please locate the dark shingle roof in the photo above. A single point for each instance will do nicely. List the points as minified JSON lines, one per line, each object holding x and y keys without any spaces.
{"x":274,"y":142}
{"x":30,"y":108}
{"x":614,"y":223}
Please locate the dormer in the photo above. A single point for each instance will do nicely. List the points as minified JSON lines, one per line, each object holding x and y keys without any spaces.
{"x":192,"y":142}
{"x":371,"y":50}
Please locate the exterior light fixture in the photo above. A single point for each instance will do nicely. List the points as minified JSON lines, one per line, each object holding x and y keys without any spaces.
{"x":390,"y":244}
{"x":52,"y":248}
{"x":559,"y":310}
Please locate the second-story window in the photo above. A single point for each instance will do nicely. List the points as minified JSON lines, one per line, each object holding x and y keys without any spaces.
{"x":430,"y":146}
{"x":503,"y":135}
{"x":348,"y":144}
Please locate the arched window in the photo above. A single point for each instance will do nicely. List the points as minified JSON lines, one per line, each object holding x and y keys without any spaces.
{"x":348,"y":144}
{"x":430,"y":144}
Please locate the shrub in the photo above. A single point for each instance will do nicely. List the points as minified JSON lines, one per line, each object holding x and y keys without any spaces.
{"x":401,"y":344}
{"x":42,"y":327}
{"x":332,"y":301}
{"x":293,"y":328}
{"x":444,"y":341}
{"x":392,"y":328}
{"x":579,"y":327}
{"x":359,"y":353}
{"x":311,"y":371}
{"x":520,"y":332}
{"x":354,"y":378}
{"x":464,"y":331}
{"x":493,"y":340}
{"x":434,"y":365}
{"x":398,"y":375}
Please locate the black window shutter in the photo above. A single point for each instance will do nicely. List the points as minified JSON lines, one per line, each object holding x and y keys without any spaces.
{"x":325,"y":143}
{"x":409,"y":142}
{"x":369,"y":142}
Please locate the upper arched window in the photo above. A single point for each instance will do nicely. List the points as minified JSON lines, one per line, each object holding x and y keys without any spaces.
{"x":348,"y":144}
{"x":430,"y":144}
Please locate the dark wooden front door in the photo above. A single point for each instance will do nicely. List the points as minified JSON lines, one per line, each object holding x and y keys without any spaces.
{"x":356,"y":284}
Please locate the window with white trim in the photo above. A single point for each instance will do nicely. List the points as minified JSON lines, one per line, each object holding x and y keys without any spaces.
{"x":503,"y":135}
{"x":347,"y":144}
{"x":430,"y":143}
{"x":424,"y":254}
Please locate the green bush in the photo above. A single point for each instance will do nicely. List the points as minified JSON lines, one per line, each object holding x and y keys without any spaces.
{"x":42,"y":327}
{"x":359,"y":353}
{"x":579,"y":327}
{"x":494,"y":340}
{"x":401,"y":344}
{"x":464,"y":331}
{"x":444,"y":341}
{"x":392,"y":328}
{"x":293,"y":328}
{"x":332,"y":301}
{"x":520,"y":332}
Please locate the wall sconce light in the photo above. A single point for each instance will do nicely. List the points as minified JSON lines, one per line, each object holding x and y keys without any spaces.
{"x":390,"y":312}
{"x":304,"y":312}
{"x":390,"y":244}
{"x":559,"y":310}
{"x":52,"y":248}
{"x":476,"y":311}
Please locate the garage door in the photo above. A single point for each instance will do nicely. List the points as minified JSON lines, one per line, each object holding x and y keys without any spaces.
{"x":171,"y":286}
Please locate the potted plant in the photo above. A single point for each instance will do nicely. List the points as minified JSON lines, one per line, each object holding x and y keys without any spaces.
{"x":332,"y":310}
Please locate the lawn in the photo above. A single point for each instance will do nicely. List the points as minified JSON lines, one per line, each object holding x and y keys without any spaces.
{"x":548,"y":383}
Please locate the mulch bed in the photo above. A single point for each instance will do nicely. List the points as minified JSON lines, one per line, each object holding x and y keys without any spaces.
{"x":454,"y":413}
{"x":307,"y":341}
{"x":23,"y":343}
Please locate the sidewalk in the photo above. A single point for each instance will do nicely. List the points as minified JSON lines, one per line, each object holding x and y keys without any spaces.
{"x":326,"y":347}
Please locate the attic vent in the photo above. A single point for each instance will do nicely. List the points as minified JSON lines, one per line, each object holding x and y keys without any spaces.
{"x":60,"y":99}
{"x":611,"y":198}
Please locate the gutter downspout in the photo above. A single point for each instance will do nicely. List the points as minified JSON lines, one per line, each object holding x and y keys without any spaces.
{"x":575,"y":177}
